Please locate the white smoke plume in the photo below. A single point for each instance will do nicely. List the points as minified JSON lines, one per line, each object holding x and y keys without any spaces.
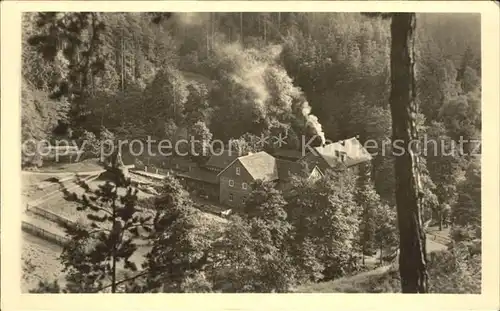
{"x":252,"y":68}
{"x":249,"y":68}
{"x":192,"y":18}
{"x":313,"y":122}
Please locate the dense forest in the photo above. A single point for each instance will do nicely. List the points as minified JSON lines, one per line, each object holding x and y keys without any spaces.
{"x":240,"y":75}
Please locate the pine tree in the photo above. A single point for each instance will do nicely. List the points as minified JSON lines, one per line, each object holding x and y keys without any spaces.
{"x":466,"y":211}
{"x":100,"y":250}
{"x":369,"y":202}
{"x":254,"y":254}
{"x":385,"y":233}
{"x":178,"y":252}
{"x":76,"y":37}
{"x":325,"y":216}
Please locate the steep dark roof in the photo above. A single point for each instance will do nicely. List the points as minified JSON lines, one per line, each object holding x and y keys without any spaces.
{"x":200,"y":174}
{"x":288,"y":154}
{"x":223,"y":160}
{"x":260,"y":165}
{"x":287,"y":168}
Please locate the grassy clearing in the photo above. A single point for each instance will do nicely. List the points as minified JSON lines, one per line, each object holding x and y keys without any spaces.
{"x":58,"y":205}
{"x":35,"y":186}
{"x":43,"y":223}
{"x":44,"y":255}
{"x":42,"y":262}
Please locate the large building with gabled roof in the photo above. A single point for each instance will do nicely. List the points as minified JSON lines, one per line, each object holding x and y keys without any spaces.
{"x":228,"y":176}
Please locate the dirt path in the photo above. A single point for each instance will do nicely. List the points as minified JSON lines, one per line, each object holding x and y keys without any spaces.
{"x":43,"y":258}
{"x":331,"y":286}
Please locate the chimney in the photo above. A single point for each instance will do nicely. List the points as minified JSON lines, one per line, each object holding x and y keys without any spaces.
{"x":342,"y":142}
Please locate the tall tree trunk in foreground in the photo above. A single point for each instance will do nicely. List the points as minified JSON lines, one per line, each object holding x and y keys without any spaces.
{"x":412,"y":260}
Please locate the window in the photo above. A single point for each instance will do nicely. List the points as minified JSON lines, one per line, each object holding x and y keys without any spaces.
{"x":231,"y":183}
{"x":243,"y":199}
{"x":337,"y":153}
{"x":237,"y":171}
{"x":342,"y":157}
{"x":244,"y":185}
{"x":230,"y":197}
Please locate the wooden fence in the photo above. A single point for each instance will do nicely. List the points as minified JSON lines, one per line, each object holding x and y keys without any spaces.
{"x":64,"y":222}
{"x":44,"y":234}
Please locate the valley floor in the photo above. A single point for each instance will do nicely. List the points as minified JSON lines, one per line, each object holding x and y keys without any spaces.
{"x":39,"y":255}
{"x":42,"y":256}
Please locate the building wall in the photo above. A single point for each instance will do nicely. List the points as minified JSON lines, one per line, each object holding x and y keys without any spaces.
{"x":355,"y":169}
{"x":202,"y":188}
{"x":235,"y":195}
{"x":316,"y":160}
{"x":315,"y":175}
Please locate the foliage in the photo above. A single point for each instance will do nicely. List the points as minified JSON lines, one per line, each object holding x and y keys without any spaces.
{"x":45,"y":287}
{"x":465,"y":233}
{"x":40,"y":113}
{"x":445,"y":166}
{"x":462,"y":116}
{"x":108,"y":239}
{"x":167,"y":95}
{"x":377,"y":221}
{"x":386,"y":233}
{"x":325,"y":215}
{"x":241,"y":77}
{"x":467,"y":209}
{"x":245,"y":144}
{"x":369,"y":202}
{"x":454,"y":271}
{"x":73,"y":39}
{"x":328,"y":61}
{"x":253,"y":253}
{"x":202,"y":137}
{"x":91,"y":144}
{"x":196,"y":108}
{"x":179,"y":248}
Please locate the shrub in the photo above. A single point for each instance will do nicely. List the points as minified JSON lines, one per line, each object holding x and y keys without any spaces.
{"x":455,"y":271}
{"x":91,"y":146}
{"x":465,"y":233}
{"x":31,"y":158}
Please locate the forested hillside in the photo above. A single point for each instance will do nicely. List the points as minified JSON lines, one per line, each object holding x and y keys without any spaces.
{"x":243,"y":75}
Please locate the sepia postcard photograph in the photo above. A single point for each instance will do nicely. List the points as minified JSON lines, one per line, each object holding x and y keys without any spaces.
{"x":212,"y":147}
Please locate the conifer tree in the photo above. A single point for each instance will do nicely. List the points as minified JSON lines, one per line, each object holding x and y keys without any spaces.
{"x":178,"y":253}
{"x":75,"y":38}
{"x":100,"y":249}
